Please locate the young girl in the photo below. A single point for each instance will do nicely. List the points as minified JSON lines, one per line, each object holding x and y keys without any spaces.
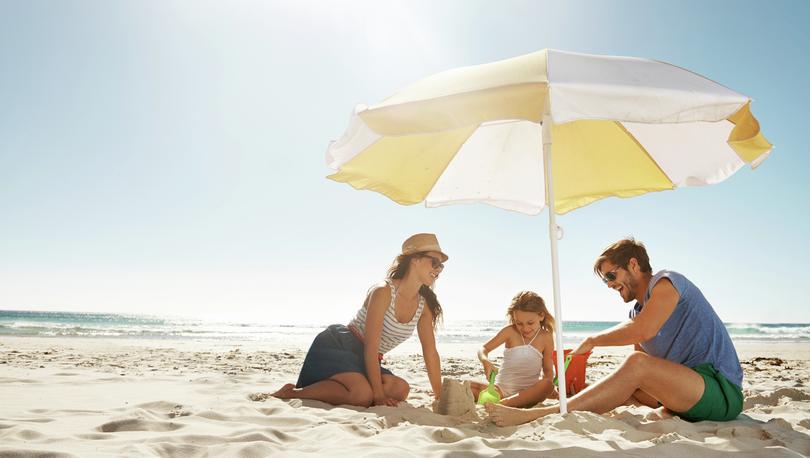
{"x":529,"y":344}
{"x":342,"y":365}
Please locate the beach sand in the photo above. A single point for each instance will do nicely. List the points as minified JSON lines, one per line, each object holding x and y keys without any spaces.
{"x":115,"y":397}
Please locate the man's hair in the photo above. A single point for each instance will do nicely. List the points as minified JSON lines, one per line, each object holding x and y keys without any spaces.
{"x":620,"y":254}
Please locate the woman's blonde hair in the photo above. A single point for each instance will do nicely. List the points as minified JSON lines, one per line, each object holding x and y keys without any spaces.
{"x":529,"y":301}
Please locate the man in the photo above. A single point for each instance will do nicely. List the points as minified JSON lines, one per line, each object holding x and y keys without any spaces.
{"x":684,"y":363}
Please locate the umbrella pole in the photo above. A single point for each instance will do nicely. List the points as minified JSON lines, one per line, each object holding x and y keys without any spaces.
{"x":555,"y":274}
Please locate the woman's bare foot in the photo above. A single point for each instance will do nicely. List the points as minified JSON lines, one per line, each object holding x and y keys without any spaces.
{"x":508,"y":416}
{"x":661,"y":413}
{"x":285,"y":392}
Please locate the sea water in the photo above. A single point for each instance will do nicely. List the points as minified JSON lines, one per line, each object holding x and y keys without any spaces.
{"x":110,"y":325}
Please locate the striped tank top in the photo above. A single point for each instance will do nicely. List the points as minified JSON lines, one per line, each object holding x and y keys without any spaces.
{"x":393,"y":332}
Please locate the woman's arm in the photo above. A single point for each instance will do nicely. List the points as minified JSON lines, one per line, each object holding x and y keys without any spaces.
{"x":432,"y":362}
{"x":378,"y":303}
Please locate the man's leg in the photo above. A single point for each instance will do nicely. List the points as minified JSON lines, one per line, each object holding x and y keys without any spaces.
{"x":640,"y":398}
{"x":677,"y":387}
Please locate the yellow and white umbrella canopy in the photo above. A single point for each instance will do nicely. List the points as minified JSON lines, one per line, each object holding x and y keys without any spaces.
{"x":552,"y":129}
{"x":620,"y":126}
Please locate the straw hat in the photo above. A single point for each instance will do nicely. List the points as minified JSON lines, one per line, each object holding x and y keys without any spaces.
{"x":419,"y":243}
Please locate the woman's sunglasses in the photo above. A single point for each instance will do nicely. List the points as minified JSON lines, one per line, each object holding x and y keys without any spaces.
{"x":435,"y":262}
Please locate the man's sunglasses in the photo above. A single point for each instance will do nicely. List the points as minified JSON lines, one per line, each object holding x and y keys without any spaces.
{"x":435,"y":262}
{"x":610,"y":276}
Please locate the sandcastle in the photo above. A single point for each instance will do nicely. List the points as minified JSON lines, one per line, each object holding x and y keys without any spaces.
{"x":456,"y":399}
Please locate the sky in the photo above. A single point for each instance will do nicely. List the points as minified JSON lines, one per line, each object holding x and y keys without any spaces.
{"x":167,"y":157}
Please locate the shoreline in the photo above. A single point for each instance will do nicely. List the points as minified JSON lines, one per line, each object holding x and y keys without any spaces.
{"x":745,"y":349}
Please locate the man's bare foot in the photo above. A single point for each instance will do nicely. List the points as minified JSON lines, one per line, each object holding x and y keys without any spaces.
{"x":508,"y":416}
{"x":285,"y":392}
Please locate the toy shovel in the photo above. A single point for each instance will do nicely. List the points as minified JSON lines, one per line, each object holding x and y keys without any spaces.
{"x":490,"y":394}
{"x":565,"y":368}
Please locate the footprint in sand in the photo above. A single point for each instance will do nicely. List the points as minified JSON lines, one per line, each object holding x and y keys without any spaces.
{"x":773,"y":398}
{"x":138,"y":424}
{"x":447,"y":436}
{"x":743,"y":431}
{"x":28,"y":434}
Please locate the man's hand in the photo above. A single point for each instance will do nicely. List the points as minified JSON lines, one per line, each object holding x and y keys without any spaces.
{"x":584,"y":347}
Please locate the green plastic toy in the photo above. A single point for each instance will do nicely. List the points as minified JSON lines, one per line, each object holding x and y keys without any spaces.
{"x":565,"y":368}
{"x":490,"y":394}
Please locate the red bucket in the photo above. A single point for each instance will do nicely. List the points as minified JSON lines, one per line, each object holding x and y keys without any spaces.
{"x":575,"y":374}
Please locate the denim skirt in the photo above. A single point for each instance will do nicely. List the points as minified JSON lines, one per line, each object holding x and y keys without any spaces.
{"x":334,"y":350}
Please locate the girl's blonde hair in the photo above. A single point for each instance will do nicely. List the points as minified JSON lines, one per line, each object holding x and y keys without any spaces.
{"x":528,"y":301}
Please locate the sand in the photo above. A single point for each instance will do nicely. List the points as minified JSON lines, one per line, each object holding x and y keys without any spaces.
{"x":113,"y":397}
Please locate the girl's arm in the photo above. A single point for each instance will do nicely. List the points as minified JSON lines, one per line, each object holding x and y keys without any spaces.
{"x":493,"y":343}
{"x":432,"y":362}
{"x":547,"y":339}
{"x":378,"y":303}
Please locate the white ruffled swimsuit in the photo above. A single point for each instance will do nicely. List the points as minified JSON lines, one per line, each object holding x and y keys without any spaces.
{"x":521,"y":368}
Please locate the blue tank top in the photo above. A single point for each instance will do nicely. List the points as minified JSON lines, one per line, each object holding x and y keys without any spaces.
{"x":693,"y":334}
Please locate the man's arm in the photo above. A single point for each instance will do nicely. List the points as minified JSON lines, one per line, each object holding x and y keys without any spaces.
{"x":645,"y":326}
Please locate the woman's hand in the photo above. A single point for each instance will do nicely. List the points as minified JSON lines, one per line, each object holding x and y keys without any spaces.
{"x":383,"y":400}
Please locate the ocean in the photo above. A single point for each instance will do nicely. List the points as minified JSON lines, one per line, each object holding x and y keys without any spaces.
{"x":72,"y":324}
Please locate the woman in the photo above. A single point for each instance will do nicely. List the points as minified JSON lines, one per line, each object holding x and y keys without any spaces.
{"x":343,"y":364}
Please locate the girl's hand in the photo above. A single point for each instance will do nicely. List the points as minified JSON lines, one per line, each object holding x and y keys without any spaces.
{"x":488,"y":368}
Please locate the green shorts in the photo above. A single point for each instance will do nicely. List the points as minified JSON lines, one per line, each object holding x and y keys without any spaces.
{"x":721,"y":400}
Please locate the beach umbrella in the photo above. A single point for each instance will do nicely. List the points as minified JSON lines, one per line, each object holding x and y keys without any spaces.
{"x":548,"y":129}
